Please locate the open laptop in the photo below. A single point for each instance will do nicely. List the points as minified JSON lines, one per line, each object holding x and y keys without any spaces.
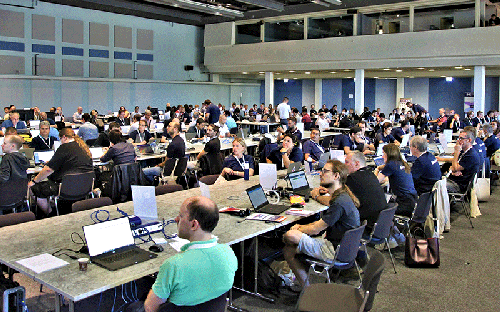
{"x":323,"y":159}
{"x":145,"y":149}
{"x":43,"y":157}
{"x":405,"y":140}
{"x":299,"y":183}
{"x":96,"y":152}
{"x":111,"y":245}
{"x":28,"y":153}
{"x":295,"y":166}
{"x":190,"y":136}
{"x":379,"y":161}
{"x":261,"y":204}
{"x":35,"y":124}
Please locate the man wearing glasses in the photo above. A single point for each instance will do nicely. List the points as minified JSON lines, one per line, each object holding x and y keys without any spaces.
{"x":465,"y":164}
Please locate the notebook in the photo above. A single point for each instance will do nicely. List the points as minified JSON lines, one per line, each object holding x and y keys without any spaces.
{"x":259,"y":201}
{"x":111,"y":245}
{"x":299,"y":183}
{"x":43,"y":157}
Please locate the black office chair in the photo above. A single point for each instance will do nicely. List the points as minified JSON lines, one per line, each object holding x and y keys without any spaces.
{"x":167,"y":188}
{"x":91,"y":203}
{"x":14,"y":195}
{"x":75,"y":187}
{"x":209,"y":179}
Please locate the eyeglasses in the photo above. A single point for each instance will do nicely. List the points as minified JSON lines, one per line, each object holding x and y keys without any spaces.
{"x":462,"y":138}
{"x":326,"y":170}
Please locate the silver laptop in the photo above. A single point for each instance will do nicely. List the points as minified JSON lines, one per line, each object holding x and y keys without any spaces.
{"x":299,"y":183}
{"x":28,"y":153}
{"x":405,"y":140}
{"x":190,"y":136}
{"x":111,"y":245}
{"x":43,"y":157}
{"x":295,"y":166}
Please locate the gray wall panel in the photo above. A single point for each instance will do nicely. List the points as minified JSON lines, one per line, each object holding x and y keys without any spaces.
{"x":123,"y":37}
{"x":43,"y":27}
{"x":72,"y":68}
{"x":72,"y":31}
{"x":98,"y":69}
{"x":145,"y":39}
{"x":11,"y":65}
{"x":99,"y":34}
{"x":11,"y":24}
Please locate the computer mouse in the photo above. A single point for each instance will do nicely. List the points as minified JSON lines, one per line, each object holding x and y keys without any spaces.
{"x":156,"y":248}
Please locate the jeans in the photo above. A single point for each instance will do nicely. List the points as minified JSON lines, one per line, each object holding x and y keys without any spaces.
{"x":152,"y":172}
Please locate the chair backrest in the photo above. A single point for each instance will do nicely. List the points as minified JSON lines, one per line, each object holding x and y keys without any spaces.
{"x":16,"y":218}
{"x":167,"y":188}
{"x":215,"y":305}
{"x":424,"y":204}
{"x":91,"y":203}
{"x":209,"y":179}
{"x":169,"y":167}
{"x":124,"y":176}
{"x":211,"y":164}
{"x":76,"y":186}
{"x":384,"y":223}
{"x":13,"y":192}
{"x":372,"y":273}
{"x":348,"y":248}
{"x":181,"y":166}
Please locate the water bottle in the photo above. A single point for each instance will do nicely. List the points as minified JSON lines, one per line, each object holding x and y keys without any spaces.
{"x":246,"y":170}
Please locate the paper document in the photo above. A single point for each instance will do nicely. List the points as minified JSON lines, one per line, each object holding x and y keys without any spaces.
{"x":205,"y":191}
{"x":42,"y":263}
{"x":144,"y":201}
{"x":268,"y":176}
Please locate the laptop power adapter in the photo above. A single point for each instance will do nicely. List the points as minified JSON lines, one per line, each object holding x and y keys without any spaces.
{"x":147,"y":229}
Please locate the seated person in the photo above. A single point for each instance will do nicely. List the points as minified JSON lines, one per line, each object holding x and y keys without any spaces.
{"x":440,"y":122}
{"x":366,"y":187}
{"x":287,"y":154}
{"x":73,"y":156}
{"x":352,"y":141}
{"x":43,"y":141}
{"x":121,"y":119}
{"x":465,"y":164}
{"x":135,"y":124}
{"x":223,"y":128}
{"x":291,"y":130}
{"x":175,"y":149}
{"x":140,"y":136}
{"x":234,"y":165}
{"x":322,"y":122}
{"x":425,"y":170}
{"x":88,"y":131}
{"x":165,"y":135}
{"x":43,"y":117}
{"x":400,"y":179}
{"x":198,"y":128}
{"x":78,"y":115}
{"x":385,"y":135}
{"x":103,"y":138}
{"x":399,"y":132}
{"x":150,"y":121}
{"x":183,"y":279}
{"x":120,"y":152}
{"x":311,"y":148}
{"x":14,"y":122}
{"x":455,"y":123}
{"x":366,"y":140}
{"x":213,"y":145}
{"x":491,"y":141}
{"x":14,"y":164}
{"x":341,"y":216}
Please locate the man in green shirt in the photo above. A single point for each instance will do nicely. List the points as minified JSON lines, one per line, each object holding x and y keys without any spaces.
{"x":203,"y":270}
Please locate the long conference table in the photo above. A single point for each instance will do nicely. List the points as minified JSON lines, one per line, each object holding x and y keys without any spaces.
{"x":50,"y":235}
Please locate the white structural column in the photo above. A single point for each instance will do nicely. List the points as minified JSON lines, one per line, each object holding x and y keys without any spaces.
{"x":359,"y":91}
{"x":318,"y":93}
{"x":412,"y":18}
{"x":479,"y":88}
{"x":215,"y":78}
{"x":400,"y":90}
{"x":269,"y":88}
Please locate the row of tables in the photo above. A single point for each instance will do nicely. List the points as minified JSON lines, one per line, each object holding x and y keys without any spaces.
{"x":49,"y":235}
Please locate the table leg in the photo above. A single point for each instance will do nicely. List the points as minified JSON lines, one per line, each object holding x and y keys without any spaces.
{"x":71,"y":306}
{"x":57,"y":301}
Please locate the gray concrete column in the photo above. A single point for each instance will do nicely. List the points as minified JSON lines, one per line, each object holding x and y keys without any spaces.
{"x":318,"y":93}
{"x":479,"y":88}
{"x":400,"y":90}
{"x":269,"y":88}
{"x":215,"y":77}
{"x":359,"y":91}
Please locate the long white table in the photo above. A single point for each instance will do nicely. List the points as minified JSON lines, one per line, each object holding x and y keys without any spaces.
{"x":49,"y":235}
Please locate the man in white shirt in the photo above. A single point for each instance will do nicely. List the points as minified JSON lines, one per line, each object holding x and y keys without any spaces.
{"x":77,"y":116}
{"x":223,"y":129}
{"x":149,"y":120}
{"x":322,"y":122}
{"x":284,"y":111}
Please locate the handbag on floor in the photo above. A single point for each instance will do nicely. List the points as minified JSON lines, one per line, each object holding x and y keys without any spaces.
{"x":422,"y":251}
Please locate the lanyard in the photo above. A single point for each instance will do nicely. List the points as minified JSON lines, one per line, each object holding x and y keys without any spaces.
{"x":141,"y":138}
{"x":239,"y":162}
{"x":319,"y":146}
{"x":45,"y":142}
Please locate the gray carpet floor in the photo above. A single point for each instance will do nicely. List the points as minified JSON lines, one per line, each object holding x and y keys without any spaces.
{"x":467,"y":279}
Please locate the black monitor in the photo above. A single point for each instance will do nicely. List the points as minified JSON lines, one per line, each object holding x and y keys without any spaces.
{"x":51,"y":115}
{"x":25,"y":114}
{"x":154,"y":111}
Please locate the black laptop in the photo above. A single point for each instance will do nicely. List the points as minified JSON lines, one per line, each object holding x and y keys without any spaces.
{"x":299,"y":183}
{"x":260,"y":203}
{"x":111,"y":245}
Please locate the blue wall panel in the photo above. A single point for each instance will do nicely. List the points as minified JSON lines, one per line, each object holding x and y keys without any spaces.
{"x":491,"y":98}
{"x":448,"y":95}
{"x":348,"y":87}
{"x":263,"y":92}
{"x":332,"y":93}
{"x":43,"y":48}
{"x":72,"y":51}
{"x":292,"y":90}
{"x":99,"y":53}
{"x":370,"y":93}
{"x":145,"y":57}
{"x":123,"y":55}
{"x":12,"y":46}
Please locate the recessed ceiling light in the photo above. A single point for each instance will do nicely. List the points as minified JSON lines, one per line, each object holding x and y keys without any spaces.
{"x":349,"y":77}
{"x":278,"y":73}
{"x":449,"y":79}
{"x":420,"y":68}
{"x":285,"y":80}
{"x":399,"y":70}
{"x":431,"y":69}
{"x":261,"y":72}
{"x":295,"y":78}
{"x":442,"y":76}
{"x":412,"y":76}
{"x":278,"y":78}
{"x":387,"y":69}
{"x":466,"y":68}
{"x":291,"y":71}
{"x":307,"y":73}
{"x":347,"y":70}
{"x":458,"y":67}
{"x":244,"y":73}
{"x":375,"y":77}
{"x":333,"y":72}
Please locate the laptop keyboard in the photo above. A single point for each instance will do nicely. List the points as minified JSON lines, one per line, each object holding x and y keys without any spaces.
{"x":120,"y":256}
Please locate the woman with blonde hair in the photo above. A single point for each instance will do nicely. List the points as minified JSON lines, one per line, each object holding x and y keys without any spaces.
{"x":234,"y":164}
{"x":400,"y":179}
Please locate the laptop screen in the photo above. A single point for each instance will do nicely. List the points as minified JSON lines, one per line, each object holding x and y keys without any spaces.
{"x":107,"y":236}
{"x":96,"y":152}
{"x":257,"y":196}
{"x":379,"y":161}
{"x":43,"y":156}
{"x":298,"y":180}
